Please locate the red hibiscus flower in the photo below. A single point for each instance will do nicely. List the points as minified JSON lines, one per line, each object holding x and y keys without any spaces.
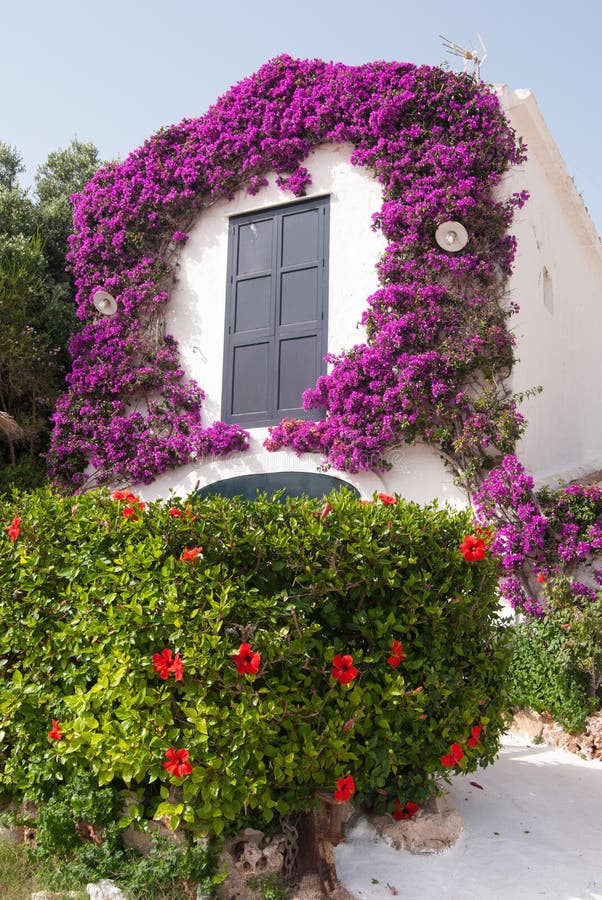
{"x":473,"y":548}
{"x":343,"y":669}
{"x":174,"y":512}
{"x":454,"y":756}
{"x":406,"y":811}
{"x":246,"y":660}
{"x":128,"y":512}
{"x":541,"y":578}
{"x":178,"y":668}
{"x":55,"y":732}
{"x":345,"y":788}
{"x":397,"y":654}
{"x":13,"y":528}
{"x":129,"y":497}
{"x":177,"y":762}
{"x":387,"y":499}
{"x":192,"y":554}
{"x":164,"y":664}
{"x":473,"y":740}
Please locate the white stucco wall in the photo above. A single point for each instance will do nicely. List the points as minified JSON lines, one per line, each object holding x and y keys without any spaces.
{"x":196,"y":317}
{"x":557,"y":281}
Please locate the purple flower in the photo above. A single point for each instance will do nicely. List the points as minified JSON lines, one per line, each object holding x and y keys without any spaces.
{"x":578,"y":589}
{"x":437,"y":143}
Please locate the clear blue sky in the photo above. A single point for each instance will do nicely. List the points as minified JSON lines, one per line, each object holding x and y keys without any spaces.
{"x":114,"y":72}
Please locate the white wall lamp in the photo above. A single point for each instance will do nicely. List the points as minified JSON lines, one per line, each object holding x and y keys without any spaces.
{"x":105,"y":303}
{"x":451,"y":236}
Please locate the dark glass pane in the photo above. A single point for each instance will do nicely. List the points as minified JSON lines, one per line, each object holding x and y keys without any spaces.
{"x":250,"y":379}
{"x":255,"y":247}
{"x":300,"y":237}
{"x":290,"y":484}
{"x":297,"y":370}
{"x":252,"y":304}
{"x":299,"y":296}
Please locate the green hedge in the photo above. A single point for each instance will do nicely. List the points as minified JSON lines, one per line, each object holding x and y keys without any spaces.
{"x":88,"y":595}
{"x":556,"y":662}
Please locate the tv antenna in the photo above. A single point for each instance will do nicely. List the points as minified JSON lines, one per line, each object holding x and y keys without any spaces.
{"x":472,"y":57}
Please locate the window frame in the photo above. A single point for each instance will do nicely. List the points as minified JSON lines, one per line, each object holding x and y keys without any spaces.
{"x":276,"y":333}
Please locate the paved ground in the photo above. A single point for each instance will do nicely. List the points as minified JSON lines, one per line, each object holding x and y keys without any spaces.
{"x":534,"y":830}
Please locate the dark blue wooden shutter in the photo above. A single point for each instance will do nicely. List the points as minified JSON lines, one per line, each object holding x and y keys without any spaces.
{"x":276,"y":311}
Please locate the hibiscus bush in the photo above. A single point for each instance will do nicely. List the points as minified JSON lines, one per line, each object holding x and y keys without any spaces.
{"x":224,"y":659}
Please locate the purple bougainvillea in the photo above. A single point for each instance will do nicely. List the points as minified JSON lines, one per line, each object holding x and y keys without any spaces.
{"x":540,"y":537}
{"x":437,"y":348}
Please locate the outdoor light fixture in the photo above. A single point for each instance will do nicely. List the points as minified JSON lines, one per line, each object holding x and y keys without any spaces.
{"x":451,"y":236}
{"x":105,"y":303}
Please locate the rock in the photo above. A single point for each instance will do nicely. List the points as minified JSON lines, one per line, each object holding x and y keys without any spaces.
{"x":18,"y":834}
{"x":435,"y":827}
{"x":23,"y":833}
{"x":588,"y":744}
{"x":528,"y":723}
{"x":255,"y":855}
{"x":246,"y":859}
{"x":309,"y":888}
{"x":104,"y":890}
{"x":11,"y":834}
{"x":142,"y":841}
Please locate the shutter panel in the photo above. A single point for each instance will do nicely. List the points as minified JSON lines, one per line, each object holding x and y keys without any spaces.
{"x":250,"y":380}
{"x":296,"y":372}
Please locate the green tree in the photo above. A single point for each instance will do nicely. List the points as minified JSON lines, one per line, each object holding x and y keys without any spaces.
{"x":64,"y":173}
{"x":17,"y":211}
{"x":36,"y":300}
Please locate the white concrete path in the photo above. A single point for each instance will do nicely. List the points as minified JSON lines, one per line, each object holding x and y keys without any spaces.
{"x":533,"y":831}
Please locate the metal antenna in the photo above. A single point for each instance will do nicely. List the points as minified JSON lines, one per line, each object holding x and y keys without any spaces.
{"x":472,"y":57}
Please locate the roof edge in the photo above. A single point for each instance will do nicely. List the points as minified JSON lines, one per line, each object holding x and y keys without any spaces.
{"x":524,"y":115}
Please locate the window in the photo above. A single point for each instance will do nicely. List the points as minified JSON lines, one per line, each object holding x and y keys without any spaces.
{"x":290,"y":484}
{"x":276,"y":308}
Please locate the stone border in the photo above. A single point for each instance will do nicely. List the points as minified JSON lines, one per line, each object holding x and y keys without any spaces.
{"x":542,"y":728}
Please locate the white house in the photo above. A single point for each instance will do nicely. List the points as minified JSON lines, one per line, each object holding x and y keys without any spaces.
{"x":557,"y":282}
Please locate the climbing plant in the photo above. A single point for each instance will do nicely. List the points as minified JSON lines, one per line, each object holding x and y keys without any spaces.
{"x":437,"y":348}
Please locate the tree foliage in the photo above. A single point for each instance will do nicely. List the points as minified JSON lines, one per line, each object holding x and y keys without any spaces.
{"x":36,"y":300}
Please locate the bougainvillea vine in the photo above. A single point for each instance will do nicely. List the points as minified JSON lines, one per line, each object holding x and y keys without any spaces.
{"x":541,"y":539}
{"x":437,"y":347}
